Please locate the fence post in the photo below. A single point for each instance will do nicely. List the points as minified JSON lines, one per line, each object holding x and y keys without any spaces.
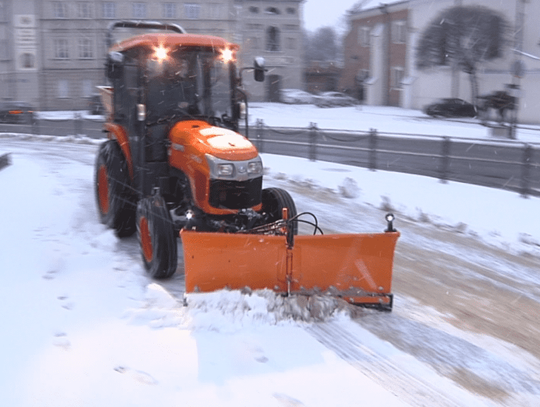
{"x":373,"y":149}
{"x":526,"y":170}
{"x":313,"y":141}
{"x":78,"y":124}
{"x":259,"y":125}
{"x":445,"y":159}
{"x":5,"y":160}
{"x":35,"y":124}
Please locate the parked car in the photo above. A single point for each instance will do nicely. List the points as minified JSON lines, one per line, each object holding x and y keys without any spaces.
{"x":451,"y":107}
{"x":296,"y":96}
{"x":333,"y":99}
{"x":94,"y":104}
{"x":16,"y":112}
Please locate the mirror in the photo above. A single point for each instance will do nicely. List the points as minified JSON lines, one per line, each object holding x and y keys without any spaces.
{"x":114,"y":65}
{"x":259,"y":70}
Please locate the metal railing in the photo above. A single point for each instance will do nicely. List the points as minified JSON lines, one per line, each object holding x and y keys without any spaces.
{"x":503,"y":164}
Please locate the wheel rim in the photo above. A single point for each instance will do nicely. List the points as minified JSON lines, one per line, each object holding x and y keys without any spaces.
{"x":146,"y":240}
{"x":103,"y":189}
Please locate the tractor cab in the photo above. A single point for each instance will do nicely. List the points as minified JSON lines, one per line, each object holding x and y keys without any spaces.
{"x":161,"y":79}
{"x":166,"y":78}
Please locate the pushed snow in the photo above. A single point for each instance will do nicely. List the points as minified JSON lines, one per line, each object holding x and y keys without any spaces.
{"x":231,"y":311}
{"x":226,"y":310}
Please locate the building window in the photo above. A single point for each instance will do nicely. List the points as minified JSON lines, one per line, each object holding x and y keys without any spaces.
{"x":214,"y":10}
{"x":87,"y":88}
{"x":61,"y":49}
{"x":291,"y":10}
{"x":272,"y":39}
{"x":192,"y":11}
{"x":254,"y":10}
{"x":363,"y":36}
{"x":397,"y":77}
{"x":399,"y":32}
{"x":139,"y":10}
{"x":4,"y":49}
{"x":109,"y":10}
{"x":63,"y":89}
{"x":60,"y":9}
{"x":84,"y":10}
{"x":28,"y":61}
{"x":85,"y":48}
{"x":169,"y":10}
{"x":272,"y":10}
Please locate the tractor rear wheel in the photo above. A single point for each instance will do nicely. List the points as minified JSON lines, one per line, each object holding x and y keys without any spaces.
{"x":273,"y":202}
{"x":156,"y":237}
{"x":115,"y":202}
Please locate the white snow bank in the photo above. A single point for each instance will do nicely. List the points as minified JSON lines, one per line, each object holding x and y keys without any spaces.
{"x":499,"y":217}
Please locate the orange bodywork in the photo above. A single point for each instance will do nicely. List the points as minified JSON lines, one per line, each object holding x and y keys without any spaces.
{"x":190,"y":142}
{"x":357,"y":267}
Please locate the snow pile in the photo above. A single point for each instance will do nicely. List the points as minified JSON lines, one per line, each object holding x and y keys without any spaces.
{"x":231,"y":311}
{"x":224,"y":310}
{"x":78,"y":139}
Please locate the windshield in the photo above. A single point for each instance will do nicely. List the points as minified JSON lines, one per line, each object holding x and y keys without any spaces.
{"x":189,"y":83}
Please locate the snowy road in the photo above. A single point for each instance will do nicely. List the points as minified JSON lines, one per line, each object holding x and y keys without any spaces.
{"x":465,"y":309}
{"x":84,"y":323}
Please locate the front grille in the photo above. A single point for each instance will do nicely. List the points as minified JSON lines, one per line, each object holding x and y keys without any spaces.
{"x":235,"y":194}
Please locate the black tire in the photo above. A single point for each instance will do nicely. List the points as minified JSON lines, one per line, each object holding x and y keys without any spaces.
{"x":273,"y":202}
{"x":114,"y":198}
{"x":157,"y":238}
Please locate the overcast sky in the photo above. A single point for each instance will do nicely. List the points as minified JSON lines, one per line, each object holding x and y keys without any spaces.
{"x":320,"y":13}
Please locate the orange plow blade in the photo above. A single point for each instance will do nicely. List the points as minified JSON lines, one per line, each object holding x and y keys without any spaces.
{"x":356,"y":267}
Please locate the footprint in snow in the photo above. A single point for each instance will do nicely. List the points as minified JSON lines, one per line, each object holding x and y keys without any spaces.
{"x":61,"y":340}
{"x":288,"y":401}
{"x":138,"y":375}
{"x":50,"y":275}
{"x":65,"y":303}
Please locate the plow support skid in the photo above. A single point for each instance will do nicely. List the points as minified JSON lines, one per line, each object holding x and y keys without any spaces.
{"x":356,"y":267}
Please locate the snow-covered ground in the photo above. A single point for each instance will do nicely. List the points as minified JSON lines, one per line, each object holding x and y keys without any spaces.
{"x":84,"y":325}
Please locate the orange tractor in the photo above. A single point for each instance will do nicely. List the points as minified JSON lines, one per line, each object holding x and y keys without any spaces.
{"x":176,"y":165}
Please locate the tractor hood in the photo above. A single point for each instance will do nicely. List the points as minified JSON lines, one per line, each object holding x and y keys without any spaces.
{"x":203,"y":138}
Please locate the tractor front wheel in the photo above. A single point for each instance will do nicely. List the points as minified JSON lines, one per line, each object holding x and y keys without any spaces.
{"x":273,"y":202}
{"x":156,"y":237}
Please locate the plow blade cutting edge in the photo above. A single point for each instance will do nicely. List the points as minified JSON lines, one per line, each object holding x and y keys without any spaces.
{"x":355,"y":267}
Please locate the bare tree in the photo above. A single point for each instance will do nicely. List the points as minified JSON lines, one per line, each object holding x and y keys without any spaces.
{"x":322,"y":45}
{"x":463,"y":37}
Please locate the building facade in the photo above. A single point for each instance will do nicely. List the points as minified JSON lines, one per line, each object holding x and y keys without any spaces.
{"x":392,"y":78}
{"x":273,"y":30}
{"x":375,"y":56}
{"x":52,"y":53}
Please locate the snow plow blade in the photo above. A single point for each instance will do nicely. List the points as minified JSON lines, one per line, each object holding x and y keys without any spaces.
{"x":355,"y":267}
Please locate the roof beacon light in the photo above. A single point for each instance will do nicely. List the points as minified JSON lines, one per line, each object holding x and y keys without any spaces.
{"x":390,"y":220}
{"x":161,"y":53}
{"x":227,"y":55}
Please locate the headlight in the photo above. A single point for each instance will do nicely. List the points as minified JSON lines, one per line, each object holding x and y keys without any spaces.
{"x":255,"y":167}
{"x":234,"y":170}
{"x":225,"y":170}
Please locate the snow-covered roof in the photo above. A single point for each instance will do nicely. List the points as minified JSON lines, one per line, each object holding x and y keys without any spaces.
{"x":363,"y":5}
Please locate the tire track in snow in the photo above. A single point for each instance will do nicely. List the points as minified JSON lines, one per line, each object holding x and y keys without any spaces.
{"x":376,"y":366}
